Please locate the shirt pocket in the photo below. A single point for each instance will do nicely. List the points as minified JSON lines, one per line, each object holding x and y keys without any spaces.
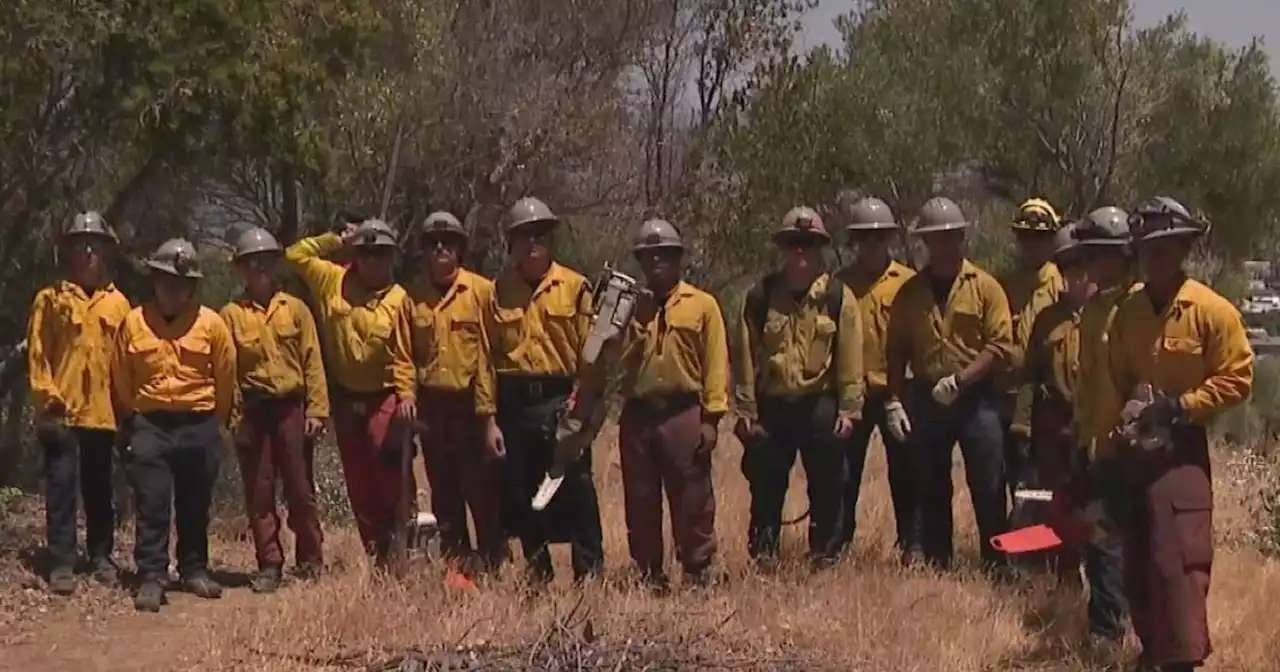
{"x":146,"y":357}
{"x":195,"y":355}
{"x":248,"y":348}
{"x":966,"y":327}
{"x":425,"y":349}
{"x":818,"y":355}
{"x":464,"y":337}
{"x":509,"y":331}
{"x":1181,"y":361}
{"x":685,"y":335}
{"x":109,"y":323}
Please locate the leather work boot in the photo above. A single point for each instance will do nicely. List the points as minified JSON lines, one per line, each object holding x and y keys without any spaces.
{"x":202,"y":586}
{"x":309,"y":571}
{"x":105,"y":572}
{"x":267,"y":580}
{"x":150,"y":596}
{"x":62,"y":581}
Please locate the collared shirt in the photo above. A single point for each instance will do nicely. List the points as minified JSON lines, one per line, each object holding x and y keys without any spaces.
{"x":797,"y":352}
{"x":681,"y":347}
{"x":875,"y":297}
{"x":70,"y":337}
{"x":1098,"y":405}
{"x":939,"y":340}
{"x":366,"y":334}
{"x":535,"y":330}
{"x":278,"y":350}
{"x":1195,"y":348}
{"x":1030,"y":291}
{"x":1052,"y":361}
{"x":184,"y":364}
{"x":449,"y":341}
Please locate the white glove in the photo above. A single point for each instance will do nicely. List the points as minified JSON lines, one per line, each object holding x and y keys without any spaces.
{"x":897,"y":420}
{"x":947,"y":390}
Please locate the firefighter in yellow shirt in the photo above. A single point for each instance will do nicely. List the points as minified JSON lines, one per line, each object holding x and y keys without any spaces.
{"x":70,"y":336}
{"x":951,"y":323}
{"x":364,"y":323}
{"x":1033,"y":286}
{"x":1109,"y":259}
{"x":1044,"y":418}
{"x":800,"y":388}
{"x":537,"y":324}
{"x":1189,"y":344}
{"x":286,"y":401}
{"x":174,"y":377}
{"x":875,"y":278}
{"x":675,"y":380}
{"x":450,"y":349}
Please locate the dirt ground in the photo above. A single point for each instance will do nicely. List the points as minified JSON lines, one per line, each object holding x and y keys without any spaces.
{"x":867,"y":614}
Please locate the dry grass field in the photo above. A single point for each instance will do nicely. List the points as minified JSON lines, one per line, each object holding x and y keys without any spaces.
{"x":865,"y":615}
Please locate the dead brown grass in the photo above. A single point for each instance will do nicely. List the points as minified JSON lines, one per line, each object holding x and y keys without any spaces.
{"x":865,"y":615}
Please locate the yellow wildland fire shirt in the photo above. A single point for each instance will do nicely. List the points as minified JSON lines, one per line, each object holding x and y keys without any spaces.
{"x":187,"y":364}
{"x":535,"y":330}
{"x":1098,"y":404}
{"x":1052,"y":364}
{"x":1030,"y":291}
{"x":795,"y":352}
{"x":681,"y":348}
{"x":450,"y":346}
{"x":71,"y":335}
{"x":875,"y":298}
{"x":278,"y":350}
{"x":942,"y":340}
{"x":1195,"y":349}
{"x":366,"y":334}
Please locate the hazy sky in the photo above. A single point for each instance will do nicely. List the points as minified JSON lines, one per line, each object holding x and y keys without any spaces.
{"x":1232,"y":21}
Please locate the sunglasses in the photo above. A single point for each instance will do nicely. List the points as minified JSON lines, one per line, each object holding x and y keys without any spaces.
{"x":797,"y":242}
{"x":261,"y":262}
{"x":375,"y":252}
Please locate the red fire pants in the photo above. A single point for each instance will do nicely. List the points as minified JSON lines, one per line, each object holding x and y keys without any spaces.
{"x":1053,"y":444}
{"x":1168,"y":548}
{"x":271,"y":445}
{"x":364,"y":428}
{"x":460,"y":476}
{"x":660,"y":445}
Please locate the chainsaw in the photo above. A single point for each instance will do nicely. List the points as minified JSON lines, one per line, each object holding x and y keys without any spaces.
{"x":616,"y":296}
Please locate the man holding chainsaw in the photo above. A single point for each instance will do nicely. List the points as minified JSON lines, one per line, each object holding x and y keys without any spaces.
{"x":800,"y":388}
{"x":1032,"y":287}
{"x":875,"y":278}
{"x":675,"y":382}
{"x":1109,"y":261}
{"x":364,"y":320}
{"x":951,"y":323}
{"x":450,"y":348}
{"x":537,"y":323}
{"x":1179,"y":352}
{"x":1043,"y":422}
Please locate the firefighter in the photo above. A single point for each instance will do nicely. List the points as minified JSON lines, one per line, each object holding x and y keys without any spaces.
{"x":1189,"y":344}
{"x":70,"y":336}
{"x":951,"y":324}
{"x":364,"y":326}
{"x":675,"y":382}
{"x":174,"y":376}
{"x":875,"y":278}
{"x":1033,"y":286}
{"x":285,"y":402}
{"x":1044,"y":421}
{"x":1109,"y":260}
{"x":450,"y":348}
{"x":537,"y":324}
{"x":800,"y":388}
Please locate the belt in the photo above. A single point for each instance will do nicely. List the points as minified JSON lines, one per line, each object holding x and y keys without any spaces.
{"x":254,"y":396}
{"x":670,"y":403}
{"x":534,"y":387}
{"x":361,"y":402}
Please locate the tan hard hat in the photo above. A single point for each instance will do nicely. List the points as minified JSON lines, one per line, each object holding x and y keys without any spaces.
{"x":803,"y":220}
{"x":940,"y":214}
{"x":90,"y":223}
{"x":255,"y":240}
{"x":655,"y":233}
{"x":526,"y":211}
{"x":175,"y":256}
{"x":1064,"y":240}
{"x":1036,"y":214}
{"x":374,"y":233}
{"x":871,"y":214}
{"x":1107,"y":225}
{"x":1162,"y":217}
{"x":443,"y":222}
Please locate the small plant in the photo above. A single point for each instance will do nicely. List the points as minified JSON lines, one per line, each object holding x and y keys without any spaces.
{"x":9,"y":497}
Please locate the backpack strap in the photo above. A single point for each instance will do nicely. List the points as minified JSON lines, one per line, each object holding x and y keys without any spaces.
{"x":756,"y":314}
{"x":834,"y":306}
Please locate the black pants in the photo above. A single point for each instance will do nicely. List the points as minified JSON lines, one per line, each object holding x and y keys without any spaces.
{"x":804,"y":425}
{"x":528,"y":409}
{"x":1104,"y":571}
{"x":973,"y":421}
{"x":74,"y":455}
{"x":173,"y":464}
{"x":898,"y":460}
